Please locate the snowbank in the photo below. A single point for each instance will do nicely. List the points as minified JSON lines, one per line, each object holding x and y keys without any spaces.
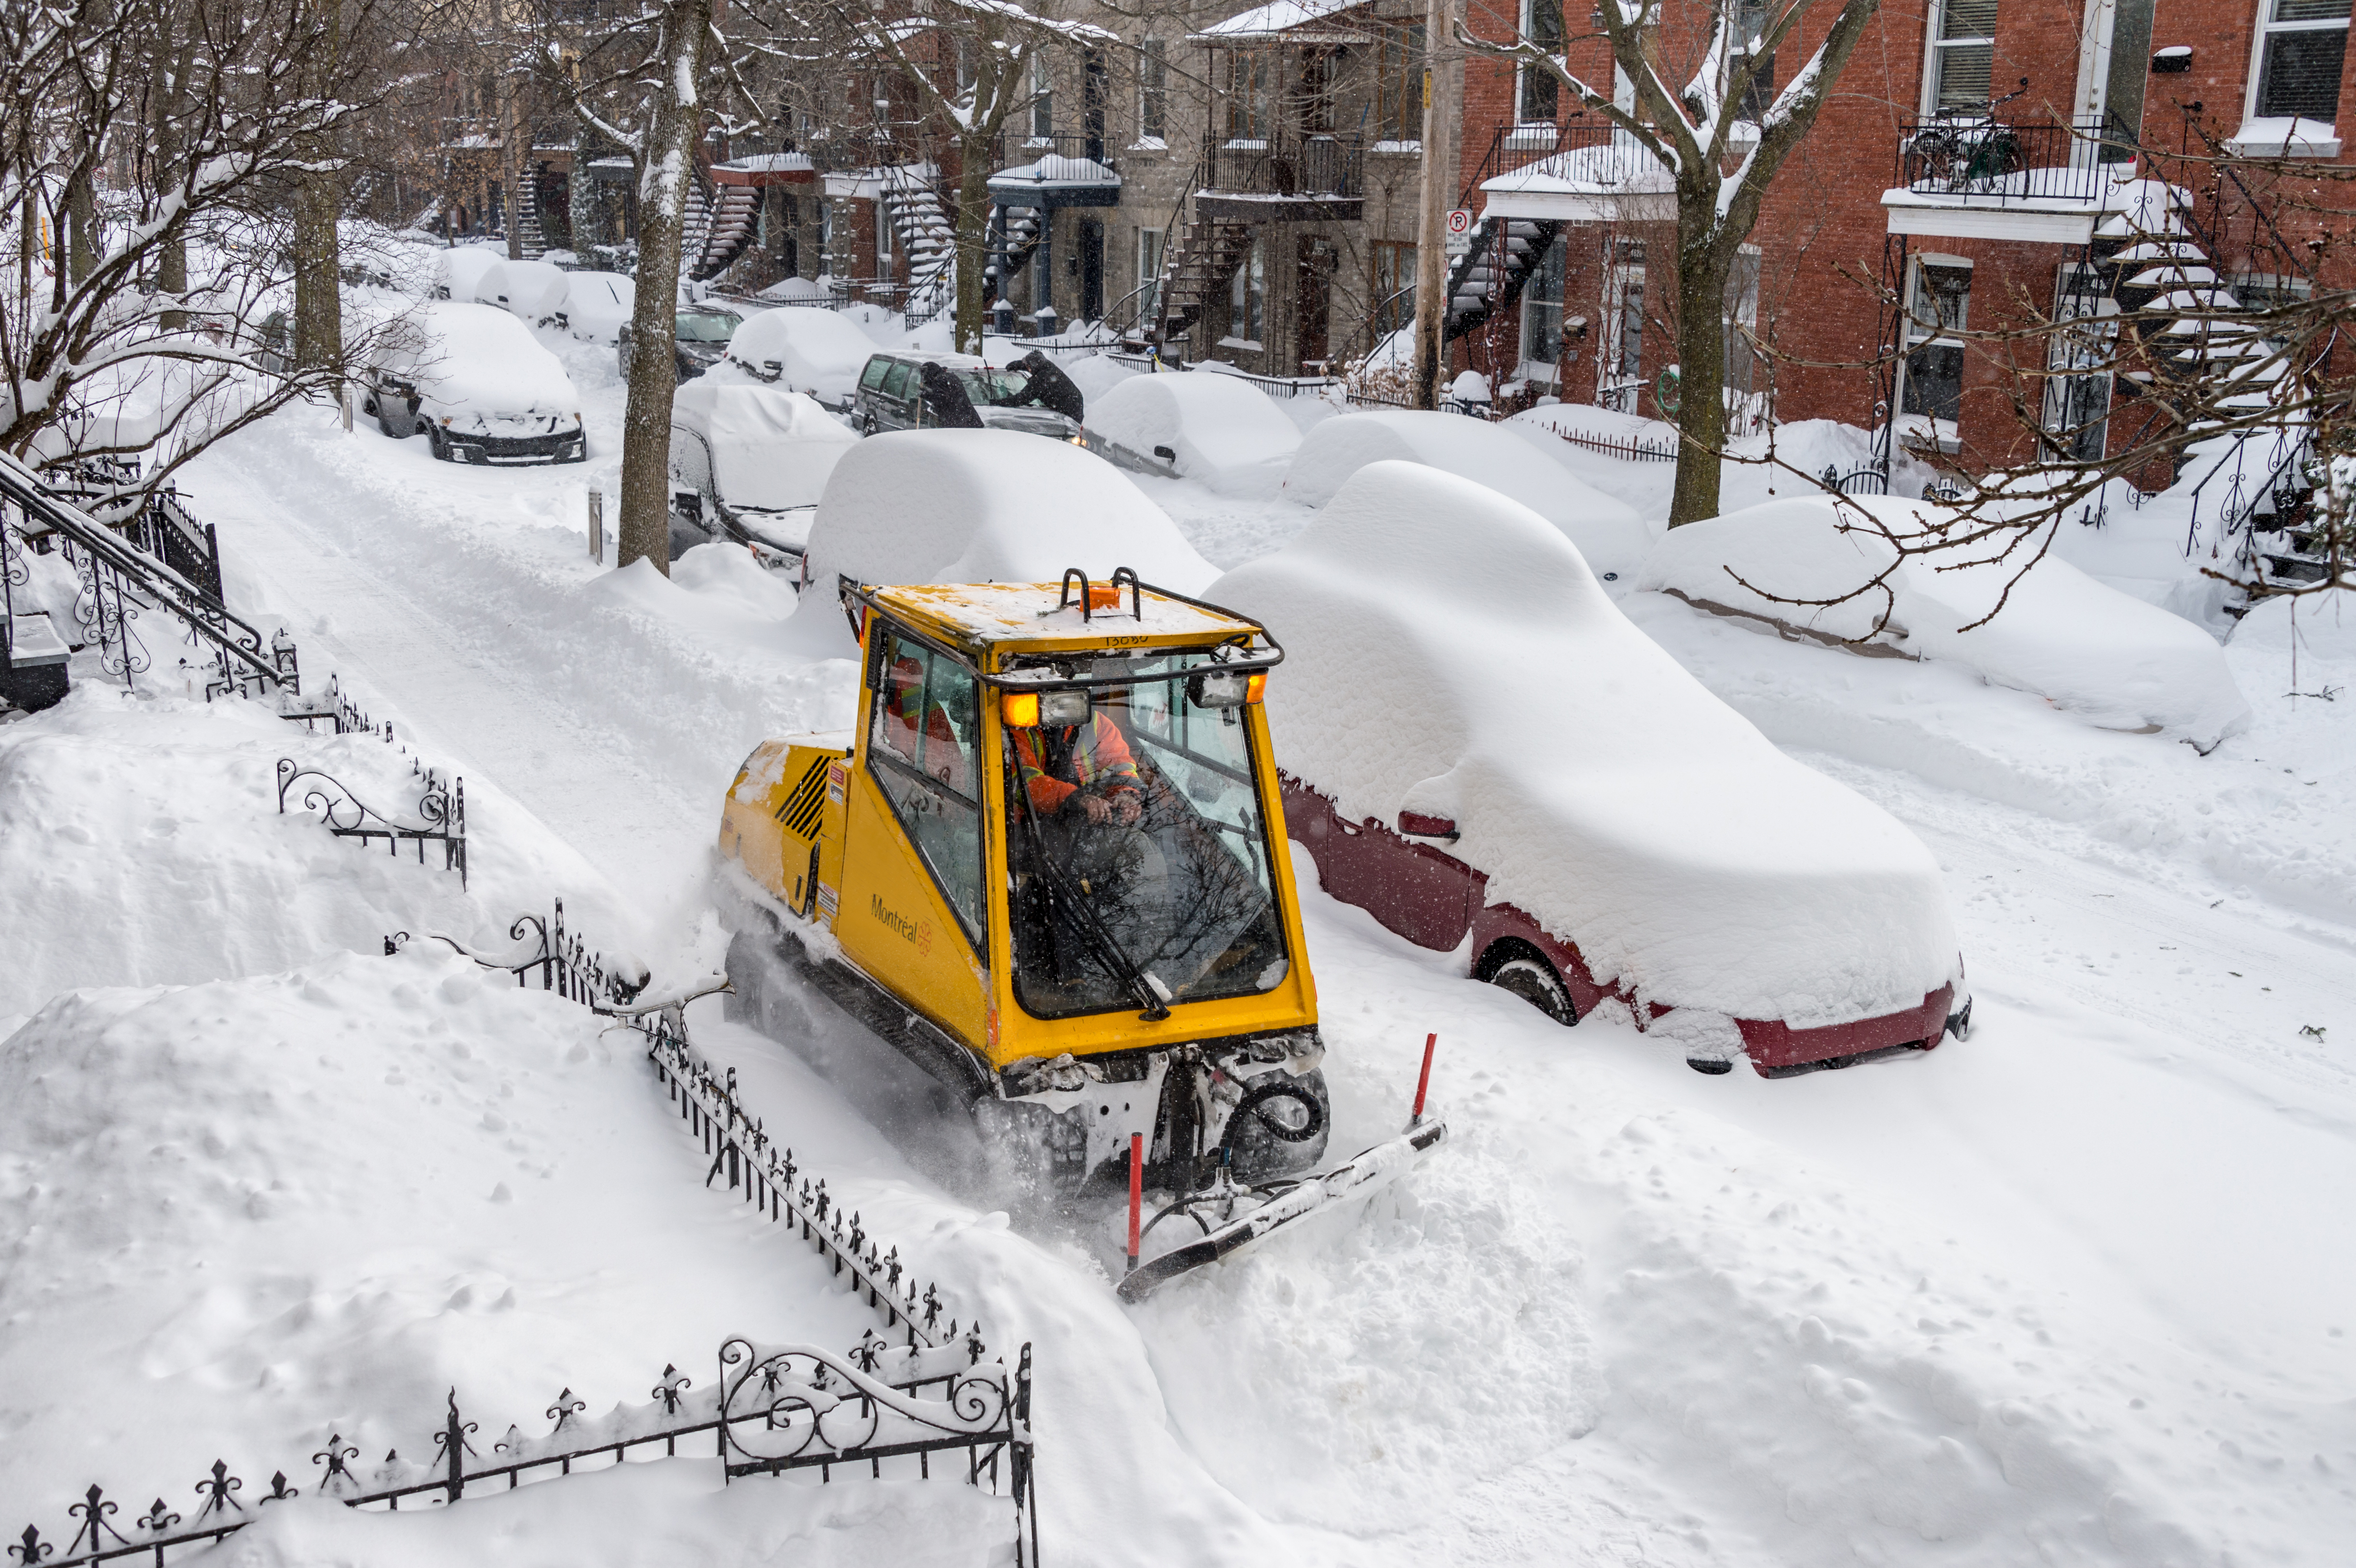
{"x":757,"y":446}
{"x":2115,"y":660}
{"x":1449,"y":652}
{"x":1223,"y":431}
{"x":597,"y":305}
{"x":530,"y":291}
{"x":813,"y":351}
{"x":1607,"y":532}
{"x":987,"y":506}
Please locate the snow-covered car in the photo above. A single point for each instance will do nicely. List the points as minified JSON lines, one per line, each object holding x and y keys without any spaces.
{"x":1610,"y":537}
{"x":749,"y":464}
{"x":476,"y":382}
{"x":905,"y":390}
{"x":699,"y":334}
{"x":803,"y":349}
{"x":460,"y":268}
{"x":975,"y":506}
{"x":531,"y":292}
{"x":1217,"y":428}
{"x":1482,"y":752}
{"x":597,"y":305}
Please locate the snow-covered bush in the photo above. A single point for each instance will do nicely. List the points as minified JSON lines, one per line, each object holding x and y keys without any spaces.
{"x":1219,"y":430}
{"x":1449,"y":652}
{"x":2086,"y":647}
{"x":1606,"y":531}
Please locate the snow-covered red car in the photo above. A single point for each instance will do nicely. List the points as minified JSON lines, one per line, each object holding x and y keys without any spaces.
{"x":1484,"y":754}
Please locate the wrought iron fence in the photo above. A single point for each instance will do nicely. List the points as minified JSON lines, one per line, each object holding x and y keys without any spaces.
{"x":440,"y":811}
{"x":1287,"y":164}
{"x":1982,"y":160}
{"x":1628,"y":449}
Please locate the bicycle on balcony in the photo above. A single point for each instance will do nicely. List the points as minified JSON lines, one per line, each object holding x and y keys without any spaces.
{"x":1963,"y":150}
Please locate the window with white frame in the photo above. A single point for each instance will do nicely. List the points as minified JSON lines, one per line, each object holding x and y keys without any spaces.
{"x":1042,"y":99}
{"x":1542,"y":316}
{"x":2078,"y":394}
{"x":1938,"y":305}
{"x":1535,"y":94}
{"x":1963,"y":54}
{"x":1152,"y":90}
{"x":1247,"y":299}
{"x":2301,"y":46}
{"x":1398,"y":84}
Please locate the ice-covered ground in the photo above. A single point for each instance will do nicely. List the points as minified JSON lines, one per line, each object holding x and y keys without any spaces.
{"x":2074,"y":1291}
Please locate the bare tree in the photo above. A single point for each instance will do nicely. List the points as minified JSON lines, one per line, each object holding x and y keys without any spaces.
{"x":161,"y":139}
{"x":1722,"y":150}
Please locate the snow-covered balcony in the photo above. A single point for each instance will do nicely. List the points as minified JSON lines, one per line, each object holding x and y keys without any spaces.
{"x":1971,"y":176}
{"x":764,"y":169}
{"x":1064,"y":171}
{"x":1583,"y":174}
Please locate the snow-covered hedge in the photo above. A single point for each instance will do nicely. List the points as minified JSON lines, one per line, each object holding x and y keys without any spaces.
{"x":2089,"y":648}
{"x":1606,"y":531}
{"x":979,"y":505}
{"x":1224,"y":431}
{"x":1449,"y":652}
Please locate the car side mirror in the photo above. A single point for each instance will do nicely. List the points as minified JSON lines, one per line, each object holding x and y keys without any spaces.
{"x":777,"y":371}
{"x":1421,"y":824}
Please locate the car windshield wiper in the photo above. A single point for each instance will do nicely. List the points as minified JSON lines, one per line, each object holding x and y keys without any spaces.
{"x":1149,"y":992}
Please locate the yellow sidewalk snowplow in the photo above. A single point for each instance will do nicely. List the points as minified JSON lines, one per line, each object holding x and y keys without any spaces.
{"x":1048,"y":864}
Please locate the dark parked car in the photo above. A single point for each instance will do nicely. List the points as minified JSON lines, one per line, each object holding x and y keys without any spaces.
{"x":929,"y":391}
{"x":699,"y":334}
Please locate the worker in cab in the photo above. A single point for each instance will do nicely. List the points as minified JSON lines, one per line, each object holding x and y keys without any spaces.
{"x":1088,"y":765}
{"x":939,"y":755}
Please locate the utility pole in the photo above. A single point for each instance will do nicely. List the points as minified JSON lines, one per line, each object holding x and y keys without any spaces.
{"x":1431,"y":217}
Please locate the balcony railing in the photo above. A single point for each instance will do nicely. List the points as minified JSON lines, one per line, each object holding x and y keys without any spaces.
{"x":1016,"y":149}
{"x":1286,"y":164}
{"x":1518,"y":145}
{"x":1978,"y":160}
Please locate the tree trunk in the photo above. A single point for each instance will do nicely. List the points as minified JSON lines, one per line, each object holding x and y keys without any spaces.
{"x":972,"y":241}
{"x":81,"y":228}
{"x":318,"y":291}
{"x":665,"y":176}
{"x":1701,"y":371}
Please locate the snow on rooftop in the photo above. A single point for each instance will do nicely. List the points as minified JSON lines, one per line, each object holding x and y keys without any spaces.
{"x":1610,"y":166}
{"x":1277,"y":17}
{"x":1449,"y":652}
{"x":1024,"y":612}
{"x":1057,"y":170}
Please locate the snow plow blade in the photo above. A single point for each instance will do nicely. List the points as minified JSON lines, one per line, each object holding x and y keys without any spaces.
{"x":1360,"y":1178}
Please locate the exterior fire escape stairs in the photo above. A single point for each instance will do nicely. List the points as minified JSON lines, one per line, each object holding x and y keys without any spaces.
{"x":720,"y":223}
{"x":2157,"y":269}
{"x":1019,"y":231}
{"x":1488,"y":278}
{"x":1200,"y":265}
{"x":921,"y":227}
{"x":534,"y":244}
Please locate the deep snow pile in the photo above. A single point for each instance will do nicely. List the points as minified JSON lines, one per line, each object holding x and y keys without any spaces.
{"x":148,"y":826}
{"x":987,"y":506}
{"x":813,"y":351}
{"x":2115,"y":660}
{"x":763,"y":446}
{"x":1219,"y":430}
{"x":1448,"y":653}
{"x":1610,"y":538}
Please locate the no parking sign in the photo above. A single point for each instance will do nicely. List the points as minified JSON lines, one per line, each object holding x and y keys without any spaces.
{"x":1460,"y":230}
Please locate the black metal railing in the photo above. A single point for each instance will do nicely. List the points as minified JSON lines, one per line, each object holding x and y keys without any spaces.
{"x":1982,"y":160}
{"x":1285,"y":163}
{"x":439,"y":811}
{"x":1015,"y":149}
{"x":1516,"y":146}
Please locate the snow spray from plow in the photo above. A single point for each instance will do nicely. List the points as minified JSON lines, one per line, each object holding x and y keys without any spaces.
{"x":1246,"y":1215}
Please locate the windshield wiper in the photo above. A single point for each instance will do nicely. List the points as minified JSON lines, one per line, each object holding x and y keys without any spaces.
{"x":1149,"y":992}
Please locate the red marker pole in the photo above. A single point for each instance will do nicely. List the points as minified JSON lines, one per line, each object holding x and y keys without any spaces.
{"x":1423,"y":1080}
{"x":1136,"y":1189}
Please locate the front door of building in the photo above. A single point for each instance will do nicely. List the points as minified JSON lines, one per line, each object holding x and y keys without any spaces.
{"x":1314,"y":302}
{"x":1091,"y":269}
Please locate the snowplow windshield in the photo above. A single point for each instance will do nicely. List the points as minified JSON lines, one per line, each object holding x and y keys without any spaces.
{"x":1137,"y":851}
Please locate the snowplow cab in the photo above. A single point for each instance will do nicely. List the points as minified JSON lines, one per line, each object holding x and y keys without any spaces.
{"x":1048,"y":864}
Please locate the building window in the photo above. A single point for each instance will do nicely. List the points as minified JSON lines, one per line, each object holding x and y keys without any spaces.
{"x":1750,"y":38}
{"x":1542,"y":317}
{"x":1963,"y":54}
{"x":1149,"y":273}
{"x":1742,"y":319}
{"x":1393,"y":285}
{"x":1619,"y":369}
{"x":1938,"y":304}
{"x":1152,"y":90}
{"x":1398,"y":84}
{"x":2301,"y":44}
{"x":1315,"y":114}
{"x":1247,"y":300}
{"x":882,"y":239}
{"x":1247,"y":94}
{"x":1042,"y":100}
{"x":2078,"y":393}
{"x":1536,"y":93}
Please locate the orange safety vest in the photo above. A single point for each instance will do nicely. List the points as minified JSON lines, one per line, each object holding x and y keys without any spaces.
{"x":1103,"y":757}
